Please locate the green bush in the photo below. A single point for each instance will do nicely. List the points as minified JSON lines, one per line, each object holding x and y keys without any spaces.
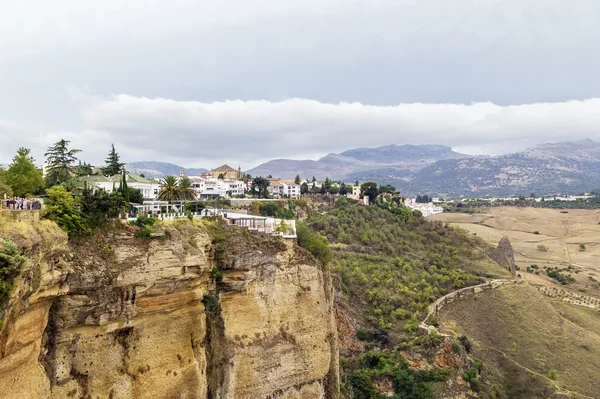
{"x":542,"y":248}
{"x":11,"y":262}
{"x":472,"y":375}
{"x":61,"y":208}
{"x":553,"y":374}
{"x":314,"y":243}
{"x":143,"y":233}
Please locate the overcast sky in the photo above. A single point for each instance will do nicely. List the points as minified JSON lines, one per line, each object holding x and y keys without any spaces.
{"x":202,"y":82}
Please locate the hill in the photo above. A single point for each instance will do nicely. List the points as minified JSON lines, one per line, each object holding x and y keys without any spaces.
{"x":568,"y":167}
{"x":152,"y":169}
{"x":359,"y":160}
{"x":390,"y":264}
{"x":530,"y":346}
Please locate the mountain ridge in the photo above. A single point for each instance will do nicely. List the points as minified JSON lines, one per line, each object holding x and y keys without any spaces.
{"x":152,"y":169}
{"x":562,"y":167}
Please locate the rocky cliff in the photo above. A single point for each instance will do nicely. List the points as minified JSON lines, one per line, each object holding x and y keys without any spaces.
{"x":205,"y":312}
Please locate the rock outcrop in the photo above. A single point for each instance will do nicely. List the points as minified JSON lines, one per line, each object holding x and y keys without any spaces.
{"x":504,"y":255}
{"x":206,"y":312}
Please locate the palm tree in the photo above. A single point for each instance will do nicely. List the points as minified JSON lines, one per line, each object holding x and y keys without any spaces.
{"x":169,"y":189}
{"x":185,"y":189}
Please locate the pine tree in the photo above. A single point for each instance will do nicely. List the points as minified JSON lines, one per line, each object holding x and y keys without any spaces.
{"x":297,"y":179}
{"x":60,"y":163}
{"x":113,"y":166}
{"x":22,"y":175}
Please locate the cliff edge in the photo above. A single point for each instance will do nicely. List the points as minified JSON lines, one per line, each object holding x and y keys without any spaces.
{"x":204,"y":312}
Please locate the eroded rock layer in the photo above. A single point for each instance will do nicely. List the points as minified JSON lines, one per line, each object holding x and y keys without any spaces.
{"x":193,"y":315}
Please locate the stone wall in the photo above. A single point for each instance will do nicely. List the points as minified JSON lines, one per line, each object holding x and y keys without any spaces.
{"x":453,"y":296}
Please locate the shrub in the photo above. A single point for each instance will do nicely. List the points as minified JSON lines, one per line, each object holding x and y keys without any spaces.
{"x":11,"y":262}
{"x":582,"y":247}
{"x":62,"y":209}
{"x":553,"y":374}
{"x":143,"y":233}
{"x":433,"y":321}
{"x":536,"y":232}
{"x":466,"y":343}
{"x":456,"y":348}
{"x":542,"y":248}
{"x":145,"y":220}
{"x":314,"y":243}
{"x":471,"y":376}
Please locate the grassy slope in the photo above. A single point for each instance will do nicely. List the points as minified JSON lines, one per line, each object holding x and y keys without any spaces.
{"x":535,"y":333}
{"x":390,"y":265}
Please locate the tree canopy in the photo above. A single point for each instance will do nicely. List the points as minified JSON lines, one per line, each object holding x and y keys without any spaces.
{"x":113,"y":165}
{"x":22,"y":175}
{"x":369,"y":189}
{"x":5,"y":189}
{"x":60,"y":161}
{"x":260,"y":187}
{"x":173,"y":190}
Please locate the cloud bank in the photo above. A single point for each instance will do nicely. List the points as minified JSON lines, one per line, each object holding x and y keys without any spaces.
{"x":194,"y":133}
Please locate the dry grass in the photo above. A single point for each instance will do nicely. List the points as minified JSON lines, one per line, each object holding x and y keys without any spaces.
{"x":519,"y":334}
{"x":560,"y":232}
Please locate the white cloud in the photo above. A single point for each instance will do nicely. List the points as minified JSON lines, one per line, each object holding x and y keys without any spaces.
{"x":194,"y":133}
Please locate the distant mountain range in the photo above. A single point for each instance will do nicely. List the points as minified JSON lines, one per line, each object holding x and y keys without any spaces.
{"x":402,"y":160}
{"x":557,"y":168}
{"x":151,"y":169}
{"x":568,"y":167}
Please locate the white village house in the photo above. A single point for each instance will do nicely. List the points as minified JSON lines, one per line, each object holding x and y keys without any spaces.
{"x":149,"y":188}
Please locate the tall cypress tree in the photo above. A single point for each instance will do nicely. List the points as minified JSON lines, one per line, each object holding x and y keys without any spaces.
{"x":113,"y":166}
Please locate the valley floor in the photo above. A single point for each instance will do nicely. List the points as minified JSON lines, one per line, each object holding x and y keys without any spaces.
{"x":561,"y":232}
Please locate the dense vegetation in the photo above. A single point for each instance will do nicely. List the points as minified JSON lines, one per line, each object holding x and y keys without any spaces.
{"x":391,"y":264}
{"x":474,"y":205}
{"x":396,"y":261}
{"x":11,"y":262}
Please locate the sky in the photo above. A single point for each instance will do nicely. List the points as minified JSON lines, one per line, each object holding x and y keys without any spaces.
{"x":204,"y":82}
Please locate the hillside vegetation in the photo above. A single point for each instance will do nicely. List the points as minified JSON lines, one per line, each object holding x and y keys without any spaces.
{"x":391,"y":264}
{"x":530,"y":346}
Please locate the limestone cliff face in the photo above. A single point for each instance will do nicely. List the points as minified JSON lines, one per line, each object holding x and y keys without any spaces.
{"x":188,"y":316}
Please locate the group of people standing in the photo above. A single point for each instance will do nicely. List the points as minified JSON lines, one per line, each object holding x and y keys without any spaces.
{"x":22,"y":204}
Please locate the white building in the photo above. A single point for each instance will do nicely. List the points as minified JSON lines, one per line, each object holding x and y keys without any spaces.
{"x":149,"y":188}
{"x":214,"y":188}
{"x":281,"y":189}
{"x":426,"y":209}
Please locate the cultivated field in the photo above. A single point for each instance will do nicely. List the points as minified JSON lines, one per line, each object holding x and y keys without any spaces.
{"x":528,"y":228}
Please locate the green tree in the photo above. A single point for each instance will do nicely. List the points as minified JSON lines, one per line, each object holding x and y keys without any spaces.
{"x":304,"y":188}
{"x":83,"y":169}
{"x":297,"y":179}
{"x":5,"y":189}
{"x":63,"y":210}
{"x":60,"y":161}
{"x":369,"y":189}
{"x":221,"y":176}
{"x":22,"y":175}
{"x":113,"y":164}
{"x":259,"y":187}
{"x":169,"y":190}
{"x":314,"y":243}
{"x":186,"y":191}
{"x":343,"y":189}
{"x":11,"y":262}
{"x":387,"y":189}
